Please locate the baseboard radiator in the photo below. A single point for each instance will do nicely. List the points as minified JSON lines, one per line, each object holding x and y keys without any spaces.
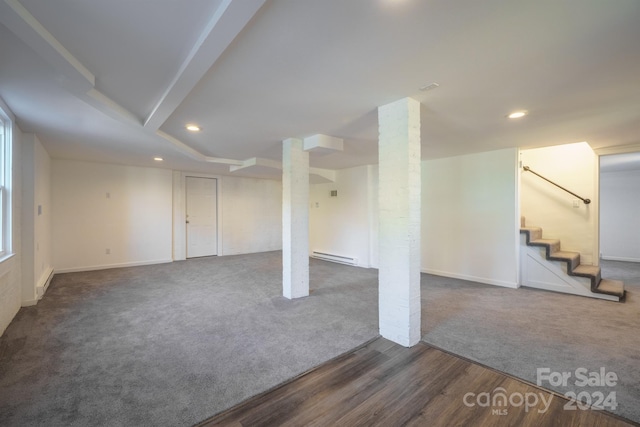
{"x":334,"y":258}
{"x":40,"y":290}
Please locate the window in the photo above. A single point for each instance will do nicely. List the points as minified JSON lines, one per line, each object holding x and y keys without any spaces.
{"x":5,"y":183}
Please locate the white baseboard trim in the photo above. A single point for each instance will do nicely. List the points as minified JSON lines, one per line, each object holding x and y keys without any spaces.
{"x":29,"y":303}
{"x":617,"y":258}
{"x":484,"y":280}
{"x":109,"y":266}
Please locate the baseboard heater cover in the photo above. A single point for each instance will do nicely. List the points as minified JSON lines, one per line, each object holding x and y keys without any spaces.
{"x":40,"y":290}
{"x":334,"y":258}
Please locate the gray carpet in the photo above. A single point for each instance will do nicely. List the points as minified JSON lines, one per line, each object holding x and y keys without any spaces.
{"x":517,"y":331}
{"x":173,"y":344}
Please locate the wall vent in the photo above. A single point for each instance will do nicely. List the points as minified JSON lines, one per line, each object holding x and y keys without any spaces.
{"x":334,"y":258}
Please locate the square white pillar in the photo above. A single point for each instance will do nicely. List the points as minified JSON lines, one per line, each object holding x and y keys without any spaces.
{"x":295,"y":219}
{"x":399,"y":221}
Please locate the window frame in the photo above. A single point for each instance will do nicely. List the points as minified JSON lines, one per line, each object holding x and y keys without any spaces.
{"x":6,"y":143}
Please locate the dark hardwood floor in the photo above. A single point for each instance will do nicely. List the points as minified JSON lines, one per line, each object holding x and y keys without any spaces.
{"x":386,"y":384}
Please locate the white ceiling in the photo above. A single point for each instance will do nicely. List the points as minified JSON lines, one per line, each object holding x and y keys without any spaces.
{"x":117,"y":81}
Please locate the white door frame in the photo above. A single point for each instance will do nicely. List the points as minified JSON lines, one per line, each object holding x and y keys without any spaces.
{"x":624,"y":149}
{"x":198,"y":224}
{"x":180,"y":212}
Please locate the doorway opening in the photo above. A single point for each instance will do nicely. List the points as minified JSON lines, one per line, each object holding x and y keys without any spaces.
{"x":619,"y":204}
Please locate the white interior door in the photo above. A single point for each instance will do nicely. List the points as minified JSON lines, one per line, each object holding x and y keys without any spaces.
{"x":202,"y":209}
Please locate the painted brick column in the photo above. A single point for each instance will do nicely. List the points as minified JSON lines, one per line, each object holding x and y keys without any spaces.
{"x":399,"y":221}
{"x":295,"y":219}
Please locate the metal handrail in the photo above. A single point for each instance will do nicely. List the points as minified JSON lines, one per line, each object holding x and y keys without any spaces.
{"x":528,"y":169}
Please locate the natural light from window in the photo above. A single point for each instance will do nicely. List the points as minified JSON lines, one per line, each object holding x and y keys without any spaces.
{"x":5,"y":184}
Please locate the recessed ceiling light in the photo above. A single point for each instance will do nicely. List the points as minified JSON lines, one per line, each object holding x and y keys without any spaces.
{"x":193,"y":128}
{"x":158,"y":159}
{"x":517,"y":114}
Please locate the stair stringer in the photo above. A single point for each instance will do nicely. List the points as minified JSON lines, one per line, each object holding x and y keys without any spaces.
{"x":538,"y":272}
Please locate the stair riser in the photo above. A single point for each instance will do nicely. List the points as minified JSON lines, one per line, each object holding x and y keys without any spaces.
{"x":571,"y":263}
{"x":595,"y":277}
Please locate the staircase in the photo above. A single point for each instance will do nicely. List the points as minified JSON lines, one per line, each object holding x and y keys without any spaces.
{"x":595,"y":287}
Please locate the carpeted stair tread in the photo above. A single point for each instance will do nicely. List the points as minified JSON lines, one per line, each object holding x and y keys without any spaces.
{"x":568,"y":255}
{"x":534,"y":233}
{"x":611,"y":287}
{"x":552,"y":245}
{"x":574,"y":268}
{"x":586,"y":270}
{"x":546,"y":241}
{"x":573,"y":258}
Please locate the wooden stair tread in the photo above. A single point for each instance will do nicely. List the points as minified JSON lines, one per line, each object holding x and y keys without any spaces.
{"x":611,"y":287}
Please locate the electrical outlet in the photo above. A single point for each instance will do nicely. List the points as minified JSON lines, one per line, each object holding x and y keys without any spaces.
{"x":576,"y":203}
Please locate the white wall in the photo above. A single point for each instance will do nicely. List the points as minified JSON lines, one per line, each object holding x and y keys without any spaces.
{"x":36,"y":219}
{"x":127,"y":210}
{"x":251,"y":215}
{"x":10,"y":268}
{"x":619,"y":219}
{"x":470,"y":217}
{"x":43,"y":257}
{"x":344,"y":225}
{"x":575,"y":167}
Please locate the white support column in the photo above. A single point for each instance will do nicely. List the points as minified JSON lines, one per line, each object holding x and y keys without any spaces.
{"x":295,"y":219}
{"x":399,"y":221}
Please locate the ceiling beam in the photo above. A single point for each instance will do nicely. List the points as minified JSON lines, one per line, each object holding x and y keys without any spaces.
{"x":316,"y":175}
{"x":73,"y":75}
{"x":81,"y":82}
{"x":194,"y":154}
{"x":323,"y":144}
{"x":257,"y":161}
{"x":319,"y":175}
{"x":27,"y":28}
{"x":223,"y":27}
{"x":108,"y":106}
